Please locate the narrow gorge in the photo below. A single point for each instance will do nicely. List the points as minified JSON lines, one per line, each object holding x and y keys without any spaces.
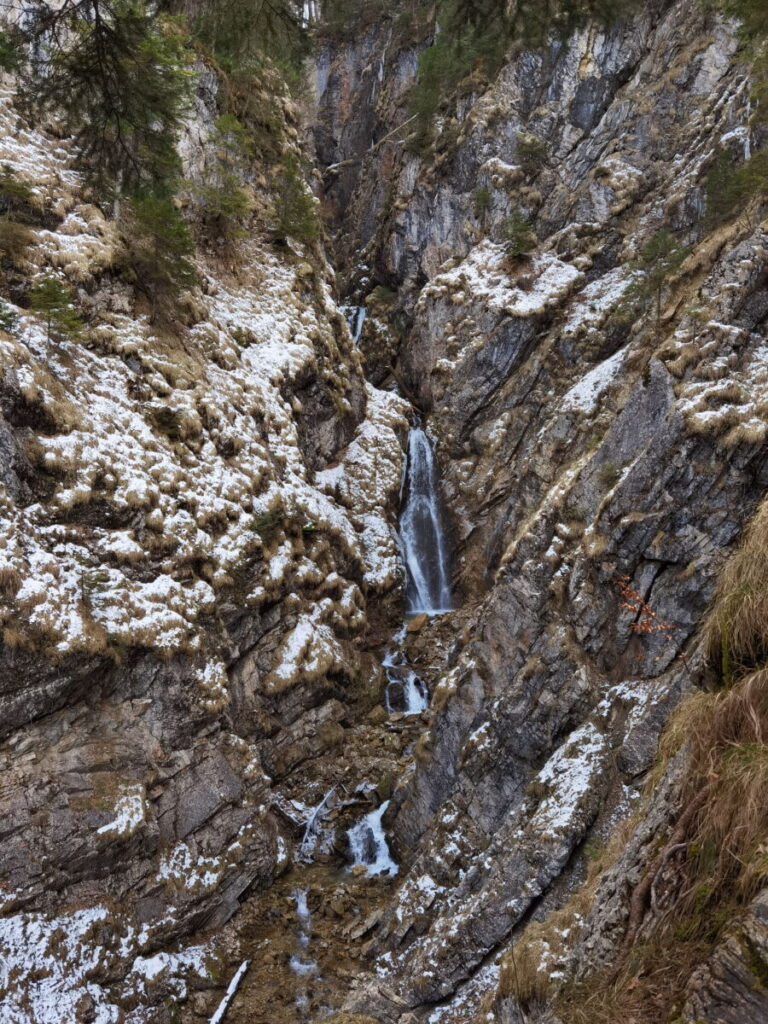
{"x":383,"y":517}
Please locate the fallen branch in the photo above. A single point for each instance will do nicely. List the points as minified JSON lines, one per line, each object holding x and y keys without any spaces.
{"x":229,"y":995}
{"x":393,"y":132}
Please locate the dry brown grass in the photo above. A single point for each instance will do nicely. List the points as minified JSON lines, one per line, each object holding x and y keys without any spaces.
{"x":10,"y":580}
{"x":725,"y":853}
{"x":15,"y":240}
{"x":715,"y":858}
{"x":736,"y":628}
{"x":647,"y":990}
{"x":526,"y":971}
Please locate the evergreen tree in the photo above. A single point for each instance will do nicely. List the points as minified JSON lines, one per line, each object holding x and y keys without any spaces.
{"x":295,"y":205}
{"x":481,"y":203}
{"x":238,"y":31}
{"x":52,"y":301}
{"x":653,"y":266}
{"x":9,"y":318}
{"x":116,"y":73}
{"x":224,"y":203}
{"x":158,"y":244}
{"x":518,"y":236}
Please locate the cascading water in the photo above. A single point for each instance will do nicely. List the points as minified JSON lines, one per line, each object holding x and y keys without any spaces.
{"x":368,"y":844}
{"x":428,"y":590}
{"x":300,"y":964}
{"x":355,"y":318}
{"x":422,"y":535}
{"x":405,"y":692}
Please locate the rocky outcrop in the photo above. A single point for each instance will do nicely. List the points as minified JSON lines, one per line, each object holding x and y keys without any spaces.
{"x":734,"y":983}
{"x":194,"y":518}
{"x":199,"y":547}
{"x":597,"y":462}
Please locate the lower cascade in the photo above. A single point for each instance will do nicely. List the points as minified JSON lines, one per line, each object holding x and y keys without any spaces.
{"x":356,"y":318}
{"x":406,"y":693}
{"x":368,"y":844}
{"x":422,"y":534}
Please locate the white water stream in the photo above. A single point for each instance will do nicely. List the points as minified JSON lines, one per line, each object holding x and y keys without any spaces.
{"x":355,"y":318}
{"x":428,"y":590}
{"x":405,"y":692}
{"x":300,"y":964}
{"x":422,"y":534}
{"x":368,"y":844}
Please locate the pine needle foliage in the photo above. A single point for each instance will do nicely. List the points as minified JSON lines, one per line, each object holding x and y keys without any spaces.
{"x":238,"y":32}
{"x":115,"y":72}
{"x":53,"y":303}
{"x":19,"y":211}
{"x":157,"y":249}
{"x":518,"y":236}
{"x":223,"y":201}
{"x":654,"y":267}
{"x":9,"y":318}
{"x":295,"y":205}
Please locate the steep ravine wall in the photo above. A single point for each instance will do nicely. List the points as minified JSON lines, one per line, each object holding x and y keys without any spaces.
{"x":581,"y":451}
{"x":198,"y":534}
{"x":194,"y":518}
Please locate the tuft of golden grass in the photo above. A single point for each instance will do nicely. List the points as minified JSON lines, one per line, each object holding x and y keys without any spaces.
{"x":726,"y":856}
{"x":736,"y":628}
{"x":15,"y":240}
{"x":10,"y":580}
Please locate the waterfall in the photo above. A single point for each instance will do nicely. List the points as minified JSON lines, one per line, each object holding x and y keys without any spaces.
{"x":368,"y":844}
{"x":405,"y":692}
{"x":428,"y":587}
{"x":355,"y":318}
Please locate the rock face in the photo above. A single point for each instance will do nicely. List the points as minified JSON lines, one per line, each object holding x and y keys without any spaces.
{"x":733,"y":983}
{"x":199,"y":547}
{"x":588,"y":454}
{"x":193,"y":519}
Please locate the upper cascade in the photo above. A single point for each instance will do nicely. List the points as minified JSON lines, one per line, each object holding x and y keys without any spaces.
{"x":428,"y":587}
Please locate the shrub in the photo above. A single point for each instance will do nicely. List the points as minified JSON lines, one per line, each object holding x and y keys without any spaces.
{"x":609,"y":474}
{"x":653,"y":268}
{"x":295,"y":205}
{"x":518,"y":236}
{"x":532,"y":153}
{"x":9,"y":318}
{"x":225,"y":205}
{"x":52,"y":301}
{"x":266,"y":523}
{"x":157,"y":246}
{"x":481,"y":202}
{"x":224,"y":202}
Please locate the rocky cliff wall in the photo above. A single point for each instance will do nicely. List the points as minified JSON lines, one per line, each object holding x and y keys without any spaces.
{"x":584,"y":451}
{"x":194,"y":518}
{"x":199,"y":552}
